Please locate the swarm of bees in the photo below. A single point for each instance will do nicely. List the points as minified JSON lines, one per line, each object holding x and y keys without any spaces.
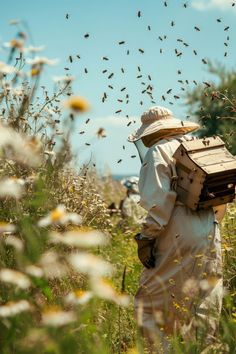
{"x":145,"y":81}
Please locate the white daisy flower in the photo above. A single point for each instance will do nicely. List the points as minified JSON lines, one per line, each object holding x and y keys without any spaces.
{"x":60,"y":216}
{"x":80,"y":238}
{"x":90,"y":264}
{"x":14,"y":308}
{"x":78,"y":297}
{"x":41,"y":61}
{"x":57,"y":318}
{"x":14,"y":277}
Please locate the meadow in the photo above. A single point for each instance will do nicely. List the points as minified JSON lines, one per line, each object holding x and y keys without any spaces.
{"x":69,"y":270}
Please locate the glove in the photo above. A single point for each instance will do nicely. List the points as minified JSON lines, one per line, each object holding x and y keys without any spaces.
{"x":145,"y":250}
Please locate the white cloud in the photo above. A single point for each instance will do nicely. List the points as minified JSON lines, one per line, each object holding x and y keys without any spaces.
{"x":212,"y":4}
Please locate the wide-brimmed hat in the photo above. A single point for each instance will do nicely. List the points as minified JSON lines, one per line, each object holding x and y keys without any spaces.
{"x":161,"y":121}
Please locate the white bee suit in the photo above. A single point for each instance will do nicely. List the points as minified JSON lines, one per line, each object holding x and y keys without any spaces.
{"x":186,"y":284}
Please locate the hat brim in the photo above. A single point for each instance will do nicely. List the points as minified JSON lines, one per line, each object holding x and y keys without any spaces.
{"x":164,"y":127}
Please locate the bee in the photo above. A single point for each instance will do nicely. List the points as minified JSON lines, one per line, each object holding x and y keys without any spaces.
{"x":161,"y":50}
{"x":111,"y":87}
{"x":169,"y":91}
{"x":87,"y":121}
{"x":124,"y":88}
{"x":67,"y":16}
{"x":86,"y":70}
{"x":122,"y":70}
{"x":105,"y":58}
{"x":123,"y":147}
{"x":195,"y":82}
{"x":87,"y":144}
{"x":139,"y":14}
{"x":82,"y":132}
{"x":197,"y":28}
{"x":119,"y":161}
{"x":225,"y":55}
{"x":122,"y":42}
{"x":179,"y":54}
{"x":66,"y":69}
{"x":133,"y":156}
{"x":139,"y":76}
{"x":70,"y":59}
{"x":165,"y":3}
{"x":176,"y":97}
{"x":104,"y":71}
{"x":78,"y":56}
{"x":186,"y":44}
{"x":129,"y":124}
{"x":226,"y":28}
{"x":119,"y":100}
{"x":160,"y":38}
{"x":149,"y":28}
{"x":141,"y":50}
{"x":172,"y":23}
{"x":185,"y":5}
{"x":149,"y":77}
{"x":204,"y":61}
{"x":179,"y":40}
{"x":127,"y":52}
{"x":207,"y":84}
{"x":179,"y":72}
{"x":195,"y":52}
{"x":111,"y":75}
{"x":163,"y":97}
{"x":86,"y":35}
{"x":119,"y":111}
{"x":218,"y":19}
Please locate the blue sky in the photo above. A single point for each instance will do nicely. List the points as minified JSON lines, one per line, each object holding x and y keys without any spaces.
{"x":109,"y":22}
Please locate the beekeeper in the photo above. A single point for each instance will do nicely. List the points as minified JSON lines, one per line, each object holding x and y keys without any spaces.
{"x":180,"y":288}
{"x":129,"y":206}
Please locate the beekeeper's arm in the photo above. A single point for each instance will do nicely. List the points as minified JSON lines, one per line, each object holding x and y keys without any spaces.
{"x":156,"y":193}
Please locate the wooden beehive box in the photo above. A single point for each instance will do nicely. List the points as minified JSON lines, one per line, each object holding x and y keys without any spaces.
{"x":206,"y":173}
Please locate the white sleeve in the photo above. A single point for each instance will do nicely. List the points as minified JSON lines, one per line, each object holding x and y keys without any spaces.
{"x":156,"y":195}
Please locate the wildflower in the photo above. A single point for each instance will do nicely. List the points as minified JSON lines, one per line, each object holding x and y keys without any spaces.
{"x":54,"y":317}
{"x":14,"y":308}
{"x":35,"y":49}
{"x":15,"y":44}
{"x":191,"y":287}
{"x":52,"y":265}
{"x":6,"y":69}
{"x":89,"y":264}
{"x":14,"y":22}
{"x":80,"y":239}
{"x":59,"y":216}
{"x":34,"y":271}
{"x":78,"y":297}
{"x":65,"y":79}
{"x":103,"y":289}
{"x":14,"y":277}
{"x":16,"y":147}
{"x":40,"y":61}
{"x":14,"y":242}
{"x":35,"y":71}
{"x":12,"y":187}
{"x":76,"y":104}
{"x":6,"y":227}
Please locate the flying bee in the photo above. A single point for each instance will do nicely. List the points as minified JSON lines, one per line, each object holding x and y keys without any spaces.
{"x":119,"y":111}
{"x":204,"y":61}
{"x":197,"y":28}
{"x":87,"y":121}
{"x":67,"y":16}
{"x":105,"y":58}
{"x":226,"y":28}
{"x":111,"y":75}
{"x":195,"y":52}
{"x":86,"y":35}
{"x":139,"y":14}
{"x":141,"y":50}
{"x":122,"y":42}
{"x":70,"y":59}
{"x":119,"y":161}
